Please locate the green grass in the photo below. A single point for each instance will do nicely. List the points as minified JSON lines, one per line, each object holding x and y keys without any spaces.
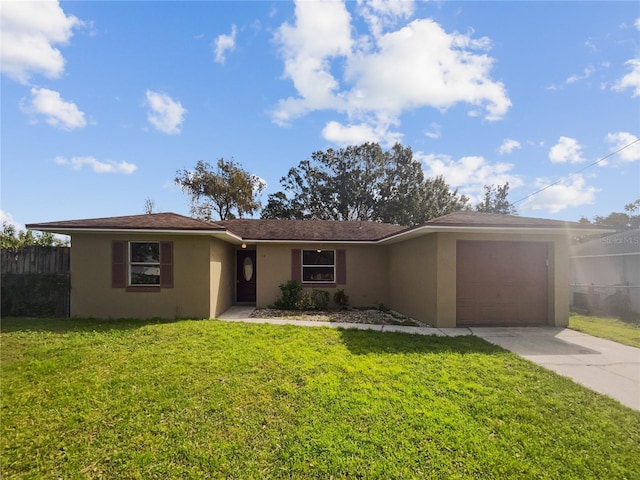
{"x":207,"y":399}
{"x":609,"y":328}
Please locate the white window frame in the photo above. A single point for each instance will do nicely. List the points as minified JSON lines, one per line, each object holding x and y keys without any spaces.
{"x":131,"y":264}
{"x":303,"y":266}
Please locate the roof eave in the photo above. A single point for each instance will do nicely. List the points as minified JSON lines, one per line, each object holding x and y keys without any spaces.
{"x":231,"y":237}
{"x":600,"y":255}
{"x":394,"y":238}
{"x":427,"y":229}
{"x":253,"y":241}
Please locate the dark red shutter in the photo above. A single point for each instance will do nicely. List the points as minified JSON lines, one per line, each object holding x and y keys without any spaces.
{"x":296,"y":265}
{"x":118,"y":264}
{"x":166,"y":264}
{"x":341,"y":267}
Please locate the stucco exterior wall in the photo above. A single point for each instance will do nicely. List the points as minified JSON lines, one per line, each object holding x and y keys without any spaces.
{"x":93,"y":296}
{"x":413,"y":271}
{"x":366,"y":267}
{"x":222,"y":276}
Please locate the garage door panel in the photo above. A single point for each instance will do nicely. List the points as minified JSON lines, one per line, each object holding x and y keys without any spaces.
{"x":501,"y":283}
{"x":466,"y":312}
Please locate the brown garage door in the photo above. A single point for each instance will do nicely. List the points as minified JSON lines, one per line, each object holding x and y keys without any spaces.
{"x":501,"y":283}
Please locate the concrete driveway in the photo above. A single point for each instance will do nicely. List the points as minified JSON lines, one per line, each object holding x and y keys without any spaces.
{"x":601,"y":365}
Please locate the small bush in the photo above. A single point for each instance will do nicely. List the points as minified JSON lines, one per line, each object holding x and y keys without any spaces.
{"x":294,"y":298}
{"x":320,"y":299}
{"x":313,"y":300}
{"x":304,"y":302}
{"x":341,"y":299}
{"x":291,"y":292}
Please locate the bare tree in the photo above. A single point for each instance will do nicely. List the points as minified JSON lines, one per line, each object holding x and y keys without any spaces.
{"x":149,"y":206}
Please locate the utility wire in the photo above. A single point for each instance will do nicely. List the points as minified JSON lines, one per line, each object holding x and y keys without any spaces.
{"x":577,"y":171}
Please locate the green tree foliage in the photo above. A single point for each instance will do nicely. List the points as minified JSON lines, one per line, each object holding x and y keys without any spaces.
{"x":621,"y":221}
{"x":13,"y":238}
{"x":362,"y":182}
{"x":495,"y":200}
{"x":221,"y":194}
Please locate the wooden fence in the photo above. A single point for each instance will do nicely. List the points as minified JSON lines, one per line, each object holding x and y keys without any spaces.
{"x":35,"y":260}
{"x":35,"y":281}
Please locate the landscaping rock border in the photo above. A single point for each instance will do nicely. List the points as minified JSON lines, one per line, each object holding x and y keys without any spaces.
{"x":354,"y":315}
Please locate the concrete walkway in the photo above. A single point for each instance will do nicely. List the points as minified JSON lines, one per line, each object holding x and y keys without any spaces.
{"x":601,"y":365}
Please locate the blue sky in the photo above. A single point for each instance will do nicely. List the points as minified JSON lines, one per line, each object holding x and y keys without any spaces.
{"x":102,"y":102}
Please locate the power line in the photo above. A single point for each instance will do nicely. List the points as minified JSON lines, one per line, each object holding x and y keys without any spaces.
{"x":577,"y":171}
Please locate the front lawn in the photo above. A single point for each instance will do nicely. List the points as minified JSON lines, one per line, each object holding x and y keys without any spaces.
{"x":208,"y":399}
{"x":609,"y":328}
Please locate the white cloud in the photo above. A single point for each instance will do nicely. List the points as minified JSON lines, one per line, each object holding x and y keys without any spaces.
{"x":355,"y":134}
{"x":508,"y":146}
{"x":6,"y":217}
{"x":223,"y":44}
{"x":322,"y":31}
{"x":30,"y":33}
{"x":566,"y":150}
{"x":587,"y":72}
{"x":384,"y":13}
{"x":421,"y":65}
{"x":373,"y":80}
{"x":76,"y":163}
{"x":166,"y":114}
{"x":469,"y":174}
{"x":619,"y":140}
{"x":571,"y":192}
{"x":57,"y":112}
{"x":349,"y":134}
{"x":637,"y":23}
{"x":435,"y":131}
{"x":591,"y":45}
{"x":631,"y":79}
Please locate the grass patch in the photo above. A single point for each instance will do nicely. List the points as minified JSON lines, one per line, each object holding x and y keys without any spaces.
{"x":609,"y":328}
{"x":208,"y":399}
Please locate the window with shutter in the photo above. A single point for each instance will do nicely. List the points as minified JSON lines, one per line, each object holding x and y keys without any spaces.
{"x":166,"y":264}
{"x":142,"y":266}
{"x":118,"y":264}
{"x":341,"y":267}
{"x":319,"y":267}
{"x":296,"y":272}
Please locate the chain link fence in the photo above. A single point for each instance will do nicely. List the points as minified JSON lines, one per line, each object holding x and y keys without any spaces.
{"x":606,"y":300}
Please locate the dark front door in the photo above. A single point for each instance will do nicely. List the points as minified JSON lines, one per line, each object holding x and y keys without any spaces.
{"x":246,"y":276}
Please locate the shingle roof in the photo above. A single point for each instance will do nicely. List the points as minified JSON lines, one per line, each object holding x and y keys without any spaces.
{"x":153,"y":221}
{"x":312,"y":230}
{"x":620,"y":243}
{"x":468,"y":220}
{"x":479,"y":219}
{"x":308,"y":230}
